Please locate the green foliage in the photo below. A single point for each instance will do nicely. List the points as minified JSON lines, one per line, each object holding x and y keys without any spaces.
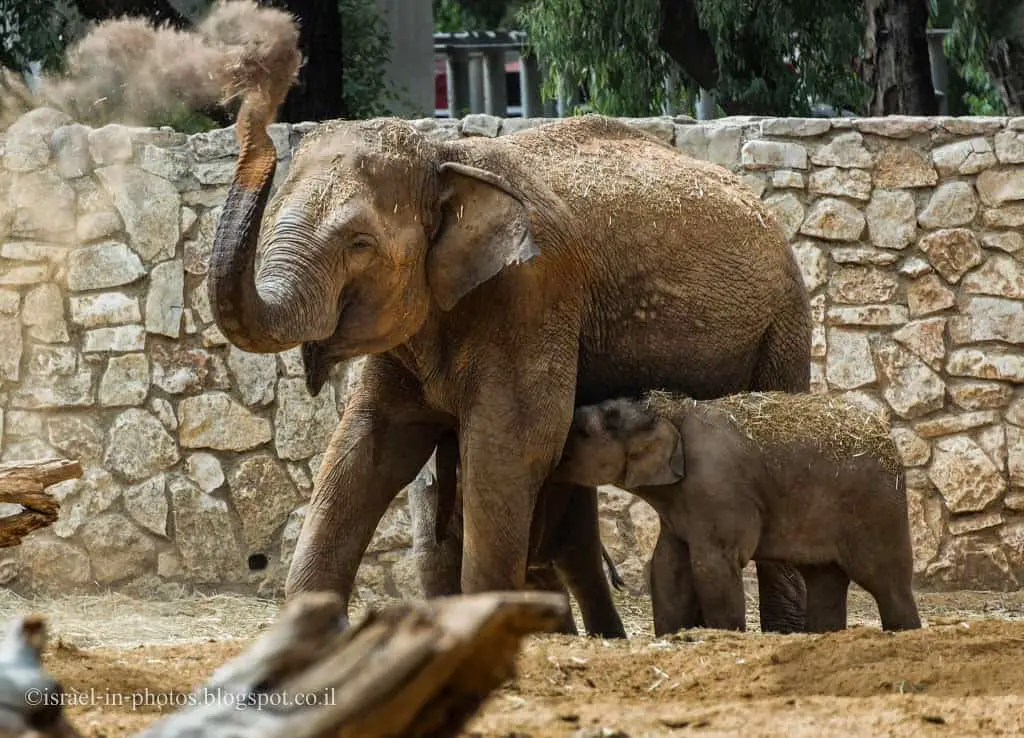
{"x":452,"y":16}
{"x":611,"y":46}
{"x":366,"y":50}
{"x":777,"y":56}
{"x":608,"y":46}
{"x":974,"y":25}
{"x":33,"y":30}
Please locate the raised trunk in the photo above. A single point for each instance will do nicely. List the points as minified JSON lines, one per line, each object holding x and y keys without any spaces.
{"x":896,"y":65}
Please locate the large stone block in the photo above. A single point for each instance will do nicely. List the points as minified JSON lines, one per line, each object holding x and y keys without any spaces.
{"x":862,"y":285}
{"x":205,"y":534}
{"x":789,"y":211}
{"x":149,"y":206}
{"x":952,"y":204}
{"x":834,"y":220}
{"x":986,"y":363}
{"x":999,"y":186}
{"x":139,"y":446}
{"x":773,"y":155}
{"x":965,"y":475}
{"x":849,"y":364}
{"x":303,"y":423}
{"x":118,"y":550}
{"x":165,"y":301}
{"x":988,"y":319}
{"x":953,"y":252}
{"x":125,"y":382}
{"x":928,"y":295}
{"x":263,"y":495}
{"x":903,"y":167}
{"x":101,"y":266}
{"x":846,"y":150}
{"x":852,"y":183}
{"x":912,"y":388}
{"x":104,"y":309}
{"x":215,"y":420}
{"x":254,"y":375}
{"x":1002,"y":276}
{"x":965,"y":157}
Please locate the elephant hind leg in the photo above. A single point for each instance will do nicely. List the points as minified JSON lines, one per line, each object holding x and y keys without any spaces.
{"x":782,"y":598}
{"x":784,"y":357}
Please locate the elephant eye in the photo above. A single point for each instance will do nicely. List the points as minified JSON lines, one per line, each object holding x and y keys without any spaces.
{"x":363,"y":241}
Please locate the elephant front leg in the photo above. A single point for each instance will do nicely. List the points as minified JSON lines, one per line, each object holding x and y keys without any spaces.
{"x":674,"y":604}
{"x":383,"y":440}
{"x":718,"y":577}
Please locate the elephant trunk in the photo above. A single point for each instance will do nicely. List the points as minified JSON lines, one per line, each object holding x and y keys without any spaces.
{"x":256,"y":318}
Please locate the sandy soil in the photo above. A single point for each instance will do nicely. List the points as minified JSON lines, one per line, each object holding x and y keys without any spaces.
{"x":961,"y":675}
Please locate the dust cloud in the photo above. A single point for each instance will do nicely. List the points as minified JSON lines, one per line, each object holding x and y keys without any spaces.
{"x":131,"y":71}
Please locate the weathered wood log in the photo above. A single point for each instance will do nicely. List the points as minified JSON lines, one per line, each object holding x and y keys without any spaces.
{"x":24,"y":483}
{"x":29,"y":697}
{"x":410,"y":670}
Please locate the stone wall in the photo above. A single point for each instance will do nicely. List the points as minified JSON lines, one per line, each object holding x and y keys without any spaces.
{"x":199,"y":456}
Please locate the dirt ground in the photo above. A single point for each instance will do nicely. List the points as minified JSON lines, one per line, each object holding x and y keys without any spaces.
{"x":961,"y":675}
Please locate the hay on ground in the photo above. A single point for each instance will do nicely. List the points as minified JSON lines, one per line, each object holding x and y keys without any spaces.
{"x":830,"y":423}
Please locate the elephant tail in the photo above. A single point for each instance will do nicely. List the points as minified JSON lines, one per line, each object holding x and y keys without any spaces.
{"x":613,"y":573}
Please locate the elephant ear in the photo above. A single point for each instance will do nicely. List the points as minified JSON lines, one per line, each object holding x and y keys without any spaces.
{"x":657,"y":460}
{"x":484,"y":228}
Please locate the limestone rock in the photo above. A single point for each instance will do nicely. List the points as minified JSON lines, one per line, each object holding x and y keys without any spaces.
{"x":970,"y":561}
{"x":263,"y":495}
{"x":759,"y":154}
{"x":845,"y":150}
{"x":895,"y":126}
{"x":993,"y":441}
{"x":111,"y":144}
{"x":852,"y":183}
{"x":1007,"y":241}
{"x":860,"y":285}
{"x":254,"y":374}
{"x":303,"y":423}
{"x":795,"y":127}
{"x":94,"y":226}
{"x":984,"y":363}
{"x":10,"y":302}
{"x":172,"y":164}
{"x":965,"y":475}
{"x":952,"y":204}
{"x":719,"y":144}
{"x":52,"y":564}
{"x":988,"y":319}
{"x":980,"y":395}
{"x":783,"y":179}
{"x":953,"y":252}
{"x":290,"y":363}
{"x":117,"y":549}
{"x":57,"y":379}
{"x":11,"y":347}
{"x":102,"y":265}
{"x":1001,"y":275}
{"x":949,"y":424}
{"x":1008,"y":216}
{"x":901,"y":167}
{"x":165,"y":300}
{"x":999,"y":186}
{"x":789,"y":211}
{"x":139,"y":446}
{"x":928,"y":295}
{"x":76,"y":436}
{"x":205,"y":534}
{"x":813,"y":264}
{"x":834,"y":220}
{"x":480,"y":124}
{"x":926,"y":339}
{"x":44,"y":314}
{"x":867,"y":315}
{"x":146,"y":502}
{"x":965,"y":157}
{"x":27,"y":140}
{"x":914,"y":267}
{"x":104,"y":309}
{"x":912,"y":388}
{"x":205,"y":470}
{"x":71,"y":145}
{"x":199,"y":247}
{"x":924,"y":510}
{"x":1009,"y":147}
{"x":914,"y":450}
{"x":849,"y":364}
{"x":33,"y":219}
{"x":18,"y":276}
{"x":215,"y":420}
{"x":149,"y":207}
{"x":126,"y":381}
{"x":181,"y":369}
{"x":1015,"y":454}
{"x":83,"y":499}
{"x":162,"y":409}
{"x":119,"y":339}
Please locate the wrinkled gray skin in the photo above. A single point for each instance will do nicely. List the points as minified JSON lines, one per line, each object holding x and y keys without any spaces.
{"x":559,"y":549}
{"x":492,"y":293}
{"x":725,"y":501}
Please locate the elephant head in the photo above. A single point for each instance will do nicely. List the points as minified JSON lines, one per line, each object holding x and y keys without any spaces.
{"x":373,"y":228}
{"x":620,"y":442}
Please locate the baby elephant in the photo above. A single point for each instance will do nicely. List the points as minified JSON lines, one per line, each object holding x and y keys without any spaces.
{"x":806,"y":479}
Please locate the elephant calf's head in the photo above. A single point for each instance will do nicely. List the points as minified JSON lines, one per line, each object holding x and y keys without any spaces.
{"x":373,"y":227}
{"x":620,"y":442}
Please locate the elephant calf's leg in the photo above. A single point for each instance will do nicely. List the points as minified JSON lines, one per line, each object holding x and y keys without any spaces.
{"x":827,"y":586}
{"x":782,"y":598}
{"x":674,"y":601}
{"x":718,"y":578}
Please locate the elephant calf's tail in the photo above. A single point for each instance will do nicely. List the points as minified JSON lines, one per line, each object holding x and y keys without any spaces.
{"x":613,"y":573}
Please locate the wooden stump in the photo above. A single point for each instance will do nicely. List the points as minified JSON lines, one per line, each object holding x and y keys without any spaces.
{"x":411,"y":670}
{"x":24,"y":483}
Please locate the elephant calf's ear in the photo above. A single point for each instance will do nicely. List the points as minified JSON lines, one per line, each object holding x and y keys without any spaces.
{"x":659,"y":462}
{"x":484,"y":228}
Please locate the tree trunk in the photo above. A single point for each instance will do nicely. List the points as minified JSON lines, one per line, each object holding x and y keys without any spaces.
{"x":896,"y":66}
{"x":1006,"y":56}
{"x":412,"y":670}
{"x":24,"y":483}
{"x":318,"y":93}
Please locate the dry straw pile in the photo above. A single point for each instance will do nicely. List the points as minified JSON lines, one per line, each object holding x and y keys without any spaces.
{"x":772,"y":420}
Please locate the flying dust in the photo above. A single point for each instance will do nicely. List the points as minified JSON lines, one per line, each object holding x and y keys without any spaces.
{"x":130,"y":71}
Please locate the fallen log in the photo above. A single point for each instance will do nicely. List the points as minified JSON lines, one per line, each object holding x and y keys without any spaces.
{"x":411,"y":670}
{"x":24,"y":483}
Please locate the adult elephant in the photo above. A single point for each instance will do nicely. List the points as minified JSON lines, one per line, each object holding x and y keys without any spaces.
{"x":495,"y":284}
